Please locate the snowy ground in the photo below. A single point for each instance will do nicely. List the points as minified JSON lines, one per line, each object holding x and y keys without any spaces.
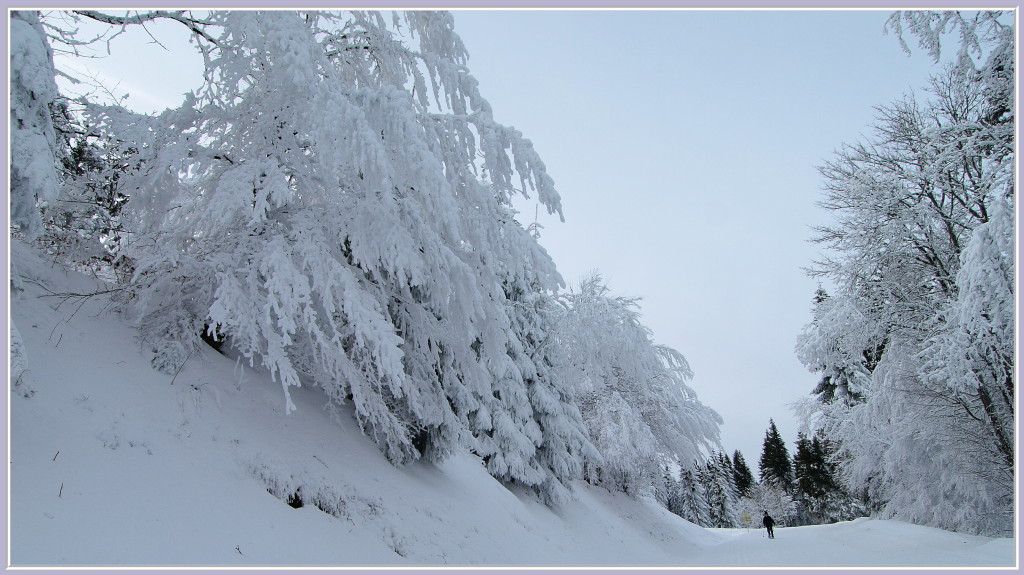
{"x":113,"y":463}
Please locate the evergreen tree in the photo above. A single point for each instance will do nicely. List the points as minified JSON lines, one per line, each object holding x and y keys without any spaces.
{"x":811,"y":471}
{"x":742,"y":476}
{"x":690,"y":501}
{"x":666,"y":491}
{"x":775,"y":466}
{"x":807,"y":473}
{"x":723,"y":494}
{"x":820,"y":497}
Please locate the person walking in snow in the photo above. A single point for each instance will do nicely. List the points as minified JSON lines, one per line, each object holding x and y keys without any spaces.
{"x":769,"y":524}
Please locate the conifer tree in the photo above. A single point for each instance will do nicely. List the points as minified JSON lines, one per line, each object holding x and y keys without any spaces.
{"x":742,"y":476}
{"x":726,"y":493}
{"x":690,"y":501}
{"x":775,"y":465}
{"x":813,"y":473}
{"x":818,"y":493}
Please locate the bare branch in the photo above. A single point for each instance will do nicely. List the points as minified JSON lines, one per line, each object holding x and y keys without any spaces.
{"x":183,"y":16}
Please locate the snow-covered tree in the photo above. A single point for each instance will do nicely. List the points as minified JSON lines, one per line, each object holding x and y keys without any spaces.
{"x":82,"y":226}
{"x":720,"y":492}
{"x":34,"y":146}
{"x":359,"y":238}
{"x":742,"y":476}
{"x":775,"y":466}
{"x":35,"y":149}
{"x":819,"y":496}
{"x":538,"y":393}
{"x":843,"y":344}
{"x":811,"y":468}
{"x":634,"y":397}
{"x":771,"y":498}
{"x":913,"y":343}
{"x":973,"y":357}
{"x":689,"y":500}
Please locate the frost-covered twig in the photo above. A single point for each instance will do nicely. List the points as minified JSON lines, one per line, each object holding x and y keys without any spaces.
{"x":72,"y":295}
{"x":193,"y":24}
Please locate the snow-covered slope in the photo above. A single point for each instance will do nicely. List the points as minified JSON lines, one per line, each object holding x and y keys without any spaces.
{"x":115,"y":463}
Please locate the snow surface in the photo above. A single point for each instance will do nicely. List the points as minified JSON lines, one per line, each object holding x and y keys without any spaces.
{"x":114,"y":463}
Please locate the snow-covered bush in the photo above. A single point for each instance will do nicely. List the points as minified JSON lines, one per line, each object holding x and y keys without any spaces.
{"x":771,"y":498}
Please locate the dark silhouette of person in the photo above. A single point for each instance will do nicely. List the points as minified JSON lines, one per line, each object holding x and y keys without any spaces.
{"x":769,"y":524}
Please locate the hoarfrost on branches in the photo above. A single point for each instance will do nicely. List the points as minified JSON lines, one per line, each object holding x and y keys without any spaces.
{"x":915,"y":345}
{"x":335,"y":206}
{"x":634,"y":397}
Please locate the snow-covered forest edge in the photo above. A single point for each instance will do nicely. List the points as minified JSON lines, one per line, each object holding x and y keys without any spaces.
{"x":114,"y":463}
{"x":306,"y":293}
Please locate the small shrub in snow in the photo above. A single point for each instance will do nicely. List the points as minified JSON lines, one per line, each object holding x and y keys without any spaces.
{"x":168,"y":357}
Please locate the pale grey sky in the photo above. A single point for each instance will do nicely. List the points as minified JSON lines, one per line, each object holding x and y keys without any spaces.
{"x":684,"y":144}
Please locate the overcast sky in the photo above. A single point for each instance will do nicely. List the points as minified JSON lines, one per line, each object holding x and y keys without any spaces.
{"x":684,"y":144}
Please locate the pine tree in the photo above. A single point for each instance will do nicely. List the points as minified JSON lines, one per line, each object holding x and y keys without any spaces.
{"x":775,"y":466}
{"x":742,"y":476}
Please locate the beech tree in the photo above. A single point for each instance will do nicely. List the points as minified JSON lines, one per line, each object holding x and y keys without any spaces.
{"x":913,"y":344}
{"x":359,"y":238}
{"x":772,"y":498}
{"x":633,"y":393}
{"x":334,"y":205}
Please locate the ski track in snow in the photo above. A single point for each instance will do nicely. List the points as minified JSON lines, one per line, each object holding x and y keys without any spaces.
{"x":113,"y":463}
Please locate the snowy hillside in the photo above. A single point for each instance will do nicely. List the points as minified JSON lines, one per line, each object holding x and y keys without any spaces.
{"x":115,"y":463}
